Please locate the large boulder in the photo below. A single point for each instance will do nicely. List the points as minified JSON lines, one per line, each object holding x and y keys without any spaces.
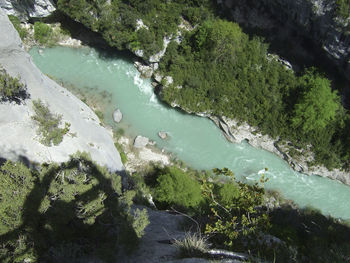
{"x":26,"y":9}
{"x":117,"y":116}
{"x":19,"y":139}
{"x":141,"y":142}
{"x":163,"y":135}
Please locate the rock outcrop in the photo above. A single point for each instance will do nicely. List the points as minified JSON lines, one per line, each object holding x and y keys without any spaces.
{"x":28,"y":8}
{"x":117,"y":116}
{"x":237,"y":133}
{"x":163,"y":135}
{"x":19,"y":138}
{"x":285,"y":20}
{"x":141,"y":142}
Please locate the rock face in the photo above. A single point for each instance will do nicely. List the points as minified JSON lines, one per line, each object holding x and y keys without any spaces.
{"x":163,"y":135}
{"x":29,"y":8}
{"x":237,"y":133}
{"x":19,"y":138}
{"x":140,"y":142}
{"x":315,"y":20}
{"x":117,"y":116}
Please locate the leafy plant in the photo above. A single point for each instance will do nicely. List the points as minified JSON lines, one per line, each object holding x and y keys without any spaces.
{"x":17,"y":25}
{"x":42,"y":33}
{"x":49,"y":124}
{"x":234,"y":216}
{"x":123,"y":156}
{"x":175,"y":187}
{"x":11,"y":89}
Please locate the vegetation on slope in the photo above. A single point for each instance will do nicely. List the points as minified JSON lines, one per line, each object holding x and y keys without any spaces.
{"x":17,"y":25}
{"x":11,"y":89}
{"x":220,"y":70}
{"x":49,"y":130}
{"x":233,"y":215}
{"x":65,"y":213}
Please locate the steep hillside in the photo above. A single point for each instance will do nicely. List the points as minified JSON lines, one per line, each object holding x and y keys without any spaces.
{"x":19,"y":132}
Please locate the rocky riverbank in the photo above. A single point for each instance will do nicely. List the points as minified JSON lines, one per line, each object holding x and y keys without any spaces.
{"x":236,"y":132}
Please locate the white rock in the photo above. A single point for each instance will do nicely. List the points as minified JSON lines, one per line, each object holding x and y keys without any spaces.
{"x":163,"y":134}
{"x":117,"y":115}
{"x":168,"y":80}
{"x":38,"y":8}
{"x":139,"y":53}
{"x":158,"y":77}
{"x":140,"y":24}
{"x":19,"y":132}
{"x":146,"y":71}
{"x":140,"y":141}
{"x":160,"y":54}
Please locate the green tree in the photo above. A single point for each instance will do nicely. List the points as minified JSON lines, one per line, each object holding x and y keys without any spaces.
{"x":317,"y":106}
{"x":234,"y":209}
{"x":11,"y":89}
{"x":42,"y":33}
{"x":175,"y":187}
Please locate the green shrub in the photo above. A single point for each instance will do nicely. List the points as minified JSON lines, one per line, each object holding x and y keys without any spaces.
{"x":17,"y":25}
{"x":11,"y":89}
{"x":123,"y":156}
{"x":235,"y":216}
{"x":175,"y":187}
{"x":49,"y":124}
{"x":100,"y":115}
{"x":42,"y":33}
{"x":343,"y":8}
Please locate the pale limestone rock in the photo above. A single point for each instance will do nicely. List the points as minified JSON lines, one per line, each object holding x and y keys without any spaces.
{"x":25,"y":9}
{"x":117,"y":115}
{"x":141,"y":142}
{"x":163,"y":135}
{"x":19,"y":132}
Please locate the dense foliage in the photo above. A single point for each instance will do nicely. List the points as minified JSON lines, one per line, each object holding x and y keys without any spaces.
{"x":49,"y":130}
{"x":176,"y":188}
{"x":233,"y":215}
{"x":220,"y":70}
{"x":11,"y":89}
{"x":65,"y":213}
{"x":42,"y":33}
{"x":343,"y":8}
{"x":117,"y":20}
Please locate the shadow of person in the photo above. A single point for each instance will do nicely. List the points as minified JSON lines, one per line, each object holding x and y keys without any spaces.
{"x":75,"y":210}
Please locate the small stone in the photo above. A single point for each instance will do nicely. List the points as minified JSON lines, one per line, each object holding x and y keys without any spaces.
{"x":163,"y":135}
{"x":117,"y":115}
{"x":140,"y":141}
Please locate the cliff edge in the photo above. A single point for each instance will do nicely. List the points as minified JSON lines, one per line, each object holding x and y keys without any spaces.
{"x":18,"y":131}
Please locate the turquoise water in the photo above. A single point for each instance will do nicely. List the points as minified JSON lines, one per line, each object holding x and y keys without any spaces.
{"x":195,"y":140}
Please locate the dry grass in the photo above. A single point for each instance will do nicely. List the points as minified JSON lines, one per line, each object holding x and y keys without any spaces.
{"x":194,"y":244}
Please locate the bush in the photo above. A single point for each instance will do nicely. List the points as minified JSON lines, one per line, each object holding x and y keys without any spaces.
{"x":49,"y":124}
{"x":234,"y":216}
{"x":11,"y":89}
{"x":42,"y":33}
{"x":175,"y":187}
{"x":17,"y":25}
{"x":123,"y":156}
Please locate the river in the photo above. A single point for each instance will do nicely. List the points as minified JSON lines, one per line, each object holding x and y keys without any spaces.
{"x":196,"y":141}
